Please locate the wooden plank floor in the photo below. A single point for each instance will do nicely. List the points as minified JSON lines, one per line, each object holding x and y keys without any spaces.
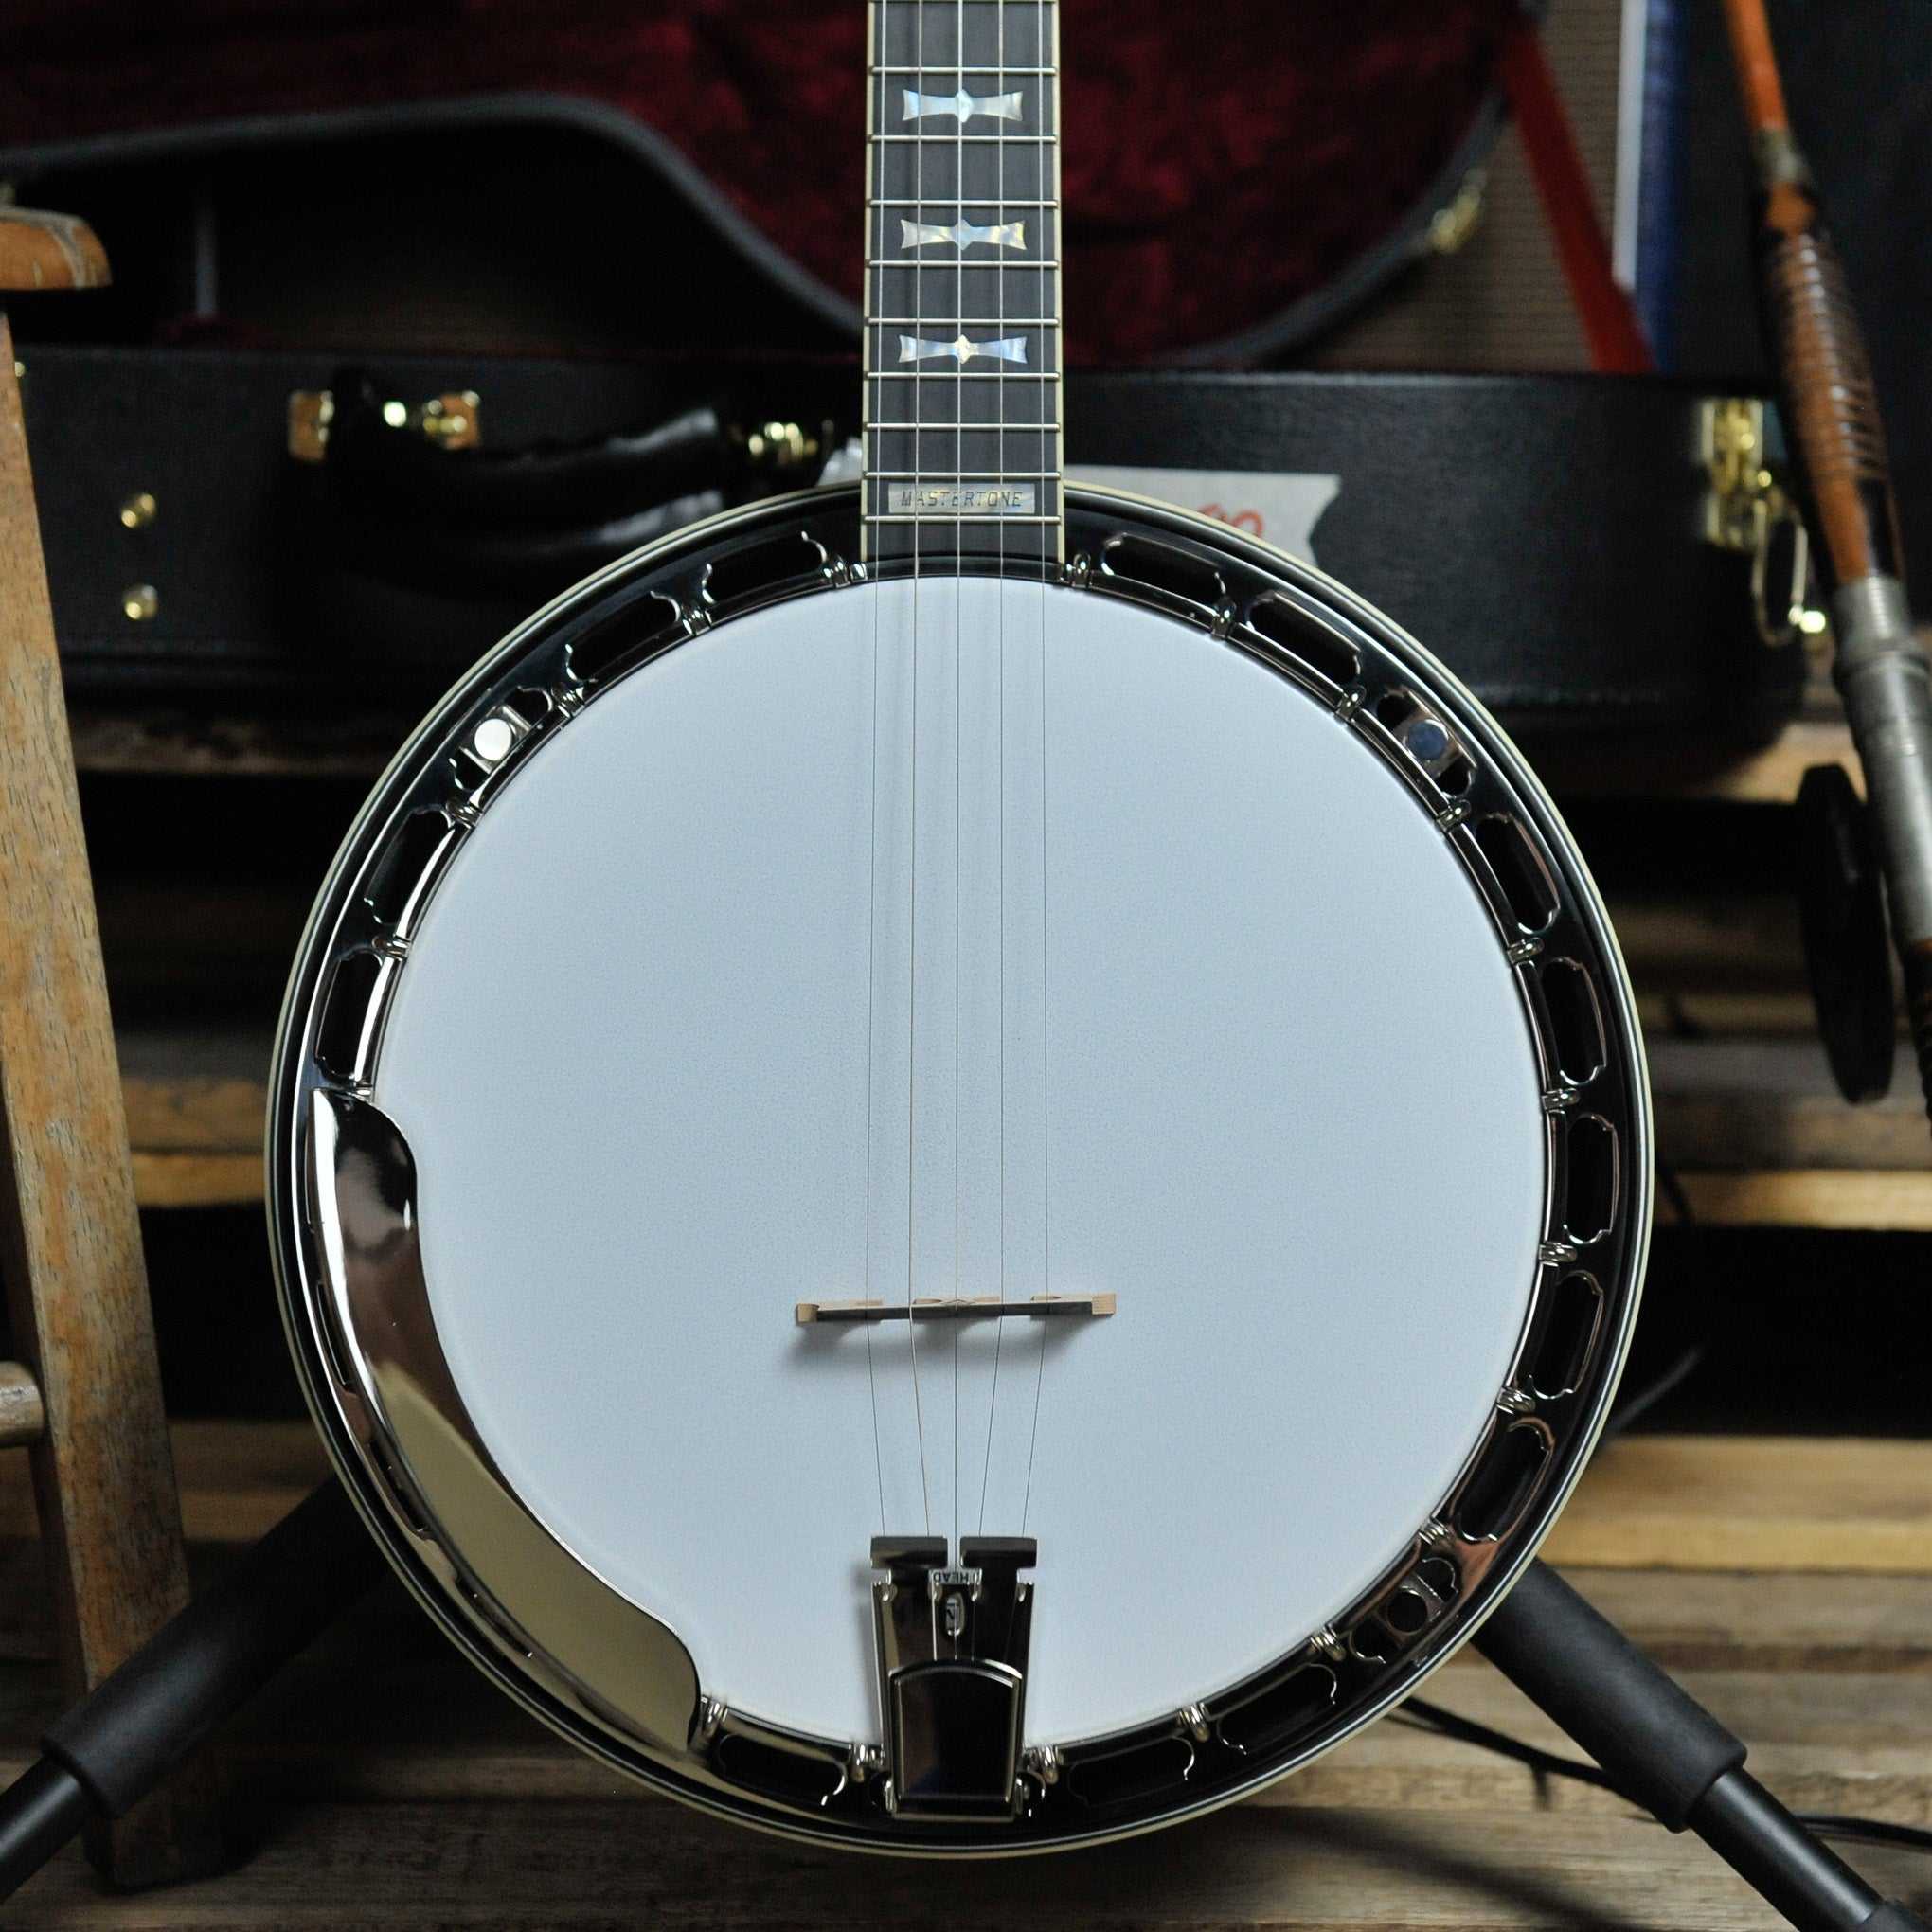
{"x":382,"y":1782}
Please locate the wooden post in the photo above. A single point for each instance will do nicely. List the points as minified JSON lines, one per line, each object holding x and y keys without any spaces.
{"x":70,"y":1239}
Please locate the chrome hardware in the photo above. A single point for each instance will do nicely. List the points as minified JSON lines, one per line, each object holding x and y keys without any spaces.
{"x":977,"y":1308}
{"x":1451,"y":227}
{"x":961,"y":499}
{"x":1515,"y":1401}
{"x":781,"y":448}
{"x":1560,"y":1100}
{"x":311,"y":412}
{"x":452,"y":420}
{"x":1428,"y":740}
{"x":490,"y":742}
{"x":1453,"y":814}
{"x":494,"y":737}
{"x":1523,"y":952}
{"x":1194,"y":1720}
{"x":385,"y":1362}
{"x":1350,"y":703}
{"x":1746,"y":506}
{"x":616,"y":1679}
{"x":952,"y":1673}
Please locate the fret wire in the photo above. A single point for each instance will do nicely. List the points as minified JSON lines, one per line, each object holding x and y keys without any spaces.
{"x":959,"y":72}
{"x":979,"y":201}
{"x":1022,"y":262}
{"x":961,"y":376}
{"x":971,"y":140}
{"x":952,"y":473}
{"x":940,"y":521}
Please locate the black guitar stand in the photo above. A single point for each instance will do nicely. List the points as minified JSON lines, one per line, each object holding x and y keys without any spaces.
{"x":1664,"y":1751}
{"x":1658,"y":1745}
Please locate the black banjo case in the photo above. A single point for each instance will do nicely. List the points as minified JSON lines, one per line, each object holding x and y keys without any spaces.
{"x":1543,"y":535}
{"x":304,"y":202}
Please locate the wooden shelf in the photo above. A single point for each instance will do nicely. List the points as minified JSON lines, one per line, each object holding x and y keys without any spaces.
{"x":1753,"y":1130}
{"x":1744,"y":1503}
{"x":1897,"y":1203}
{"x":389,"y":1784}
{"x":1741,"y":1503}
{"x":1767,"y":776}
{"x":179,"y":746}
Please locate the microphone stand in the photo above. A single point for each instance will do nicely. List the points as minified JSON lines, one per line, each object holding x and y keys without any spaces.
{"x":1831,"y":413}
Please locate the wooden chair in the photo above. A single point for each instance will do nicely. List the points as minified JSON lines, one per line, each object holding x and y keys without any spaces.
{"x":85,"y":1395}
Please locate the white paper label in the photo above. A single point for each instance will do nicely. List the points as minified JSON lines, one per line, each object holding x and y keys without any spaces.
{"x":1282,"y":509}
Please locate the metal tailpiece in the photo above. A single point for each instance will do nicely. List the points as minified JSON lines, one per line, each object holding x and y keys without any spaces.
{"x":953,"y":1673}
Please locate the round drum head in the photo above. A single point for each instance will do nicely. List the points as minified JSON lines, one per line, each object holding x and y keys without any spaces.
{"x":956,"y":1079}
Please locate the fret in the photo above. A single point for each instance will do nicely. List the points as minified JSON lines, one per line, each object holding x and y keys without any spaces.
{"x":895,"y":323}
{"x":978,"y":201}
{"x":936,"y":140}
{"x":911,"y":263}
{"x":1015,"y":376}
{"x":1005,"y":69}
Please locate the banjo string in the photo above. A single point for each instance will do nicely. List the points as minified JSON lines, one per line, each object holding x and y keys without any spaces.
{"x":959,"y":760}
{"x":912,"y":922}
{"x":1001,"y":596}
{"x":1047,"y":61}
{"x":875,"y":224}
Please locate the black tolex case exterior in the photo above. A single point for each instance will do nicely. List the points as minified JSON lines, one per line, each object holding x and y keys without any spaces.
{"x":1541,"y":534}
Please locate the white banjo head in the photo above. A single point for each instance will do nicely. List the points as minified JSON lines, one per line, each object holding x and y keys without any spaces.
{"x":964,"y":1215}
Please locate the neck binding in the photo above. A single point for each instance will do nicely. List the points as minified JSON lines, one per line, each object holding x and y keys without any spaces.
{"x":962,"y":282}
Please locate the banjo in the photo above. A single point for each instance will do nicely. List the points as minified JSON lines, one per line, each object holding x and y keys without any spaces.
{"x":958,"y":1165}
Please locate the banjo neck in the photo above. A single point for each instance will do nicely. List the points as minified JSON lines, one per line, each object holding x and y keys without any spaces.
{"x":962,"y":407}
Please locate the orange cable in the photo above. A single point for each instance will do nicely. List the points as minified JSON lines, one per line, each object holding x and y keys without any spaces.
{"x":1757,"y":65}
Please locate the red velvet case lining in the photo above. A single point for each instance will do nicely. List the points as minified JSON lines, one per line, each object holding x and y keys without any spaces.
{"x":1218,"y":161}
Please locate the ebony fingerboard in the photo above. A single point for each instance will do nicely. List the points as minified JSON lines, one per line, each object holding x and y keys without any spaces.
{"x":962,"y":283}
